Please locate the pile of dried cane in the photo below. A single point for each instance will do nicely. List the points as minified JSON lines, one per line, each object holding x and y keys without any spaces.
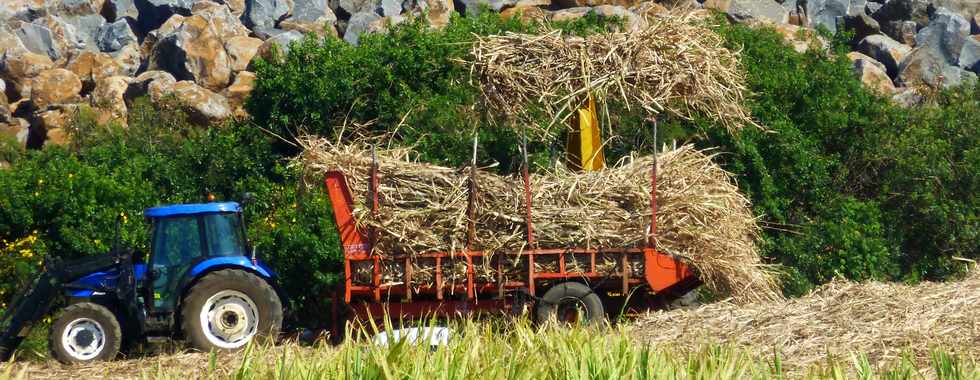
{"x":676,"y":64}
{"x":885,"y":321}
{"x":702,"y":217}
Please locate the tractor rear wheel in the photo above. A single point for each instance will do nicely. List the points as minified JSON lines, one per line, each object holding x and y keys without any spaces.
{"x":84,"y":332}
{"x":571,"y":303}
{"x":228,"y":308}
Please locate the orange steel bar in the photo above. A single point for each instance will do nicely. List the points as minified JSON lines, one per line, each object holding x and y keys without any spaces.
{"x":408,"y":279}
{"x":439,"y":277}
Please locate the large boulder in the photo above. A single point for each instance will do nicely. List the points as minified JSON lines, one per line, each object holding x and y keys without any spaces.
{"x":202,"y":105}
{"x":970,"y":55}
{"x":944,"y":36}
{"x":17,"y":129}
{"x":923,"y":67}
{"x":744,"y":10}
{"x":109,"y":99}
{"x":827,"y":13}
{"x":241,"y":50}
{"x":238,"y":91}
{"x":193,"y":51}
{"x":113,"y":36}
{"x":359,"y":23}
{"x":153,"y":13}
{"x":17,"y":68}
{"x":55,"y":86}
{"x":527,"y":14}
{"x":872,"y":73}
{"x":225,"y":24}
{"x":114,"y":10}
{"x":39,"y":39}
{"x":155,"y":83}
{"x":264,"y":13}
{"x":51,"y":124}
{"x":570,"y":14}
{"x":93,"y":67}
{"x":862,"y":25}
{"x":312,"y":16}
{"x":279,"y":43}
{"x":885,"y":50}
{"x":438,"y":12}
{"x":65,"y":40}
{"x":4,"y":106}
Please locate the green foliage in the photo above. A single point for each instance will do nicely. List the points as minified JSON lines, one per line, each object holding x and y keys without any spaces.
{"x":848,"y":183}
{"x":71,"y":198}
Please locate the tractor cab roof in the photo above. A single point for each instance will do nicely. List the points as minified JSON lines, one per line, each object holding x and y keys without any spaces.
{"x":191,"y":209}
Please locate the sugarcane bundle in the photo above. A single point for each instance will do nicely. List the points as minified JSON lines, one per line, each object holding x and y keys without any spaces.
{"x":676,"y":64}
{"x":423,"y":208}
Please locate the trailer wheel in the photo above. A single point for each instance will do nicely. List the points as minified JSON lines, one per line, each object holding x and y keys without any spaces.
{"x":227,"y":309}
{"x":84,"y":332}
{"x":571,"y":302}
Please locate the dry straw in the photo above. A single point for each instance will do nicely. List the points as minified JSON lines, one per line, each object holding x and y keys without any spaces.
{"x":883,"y":320}
{"x":676,"y":64}
{"x":702,"y":217}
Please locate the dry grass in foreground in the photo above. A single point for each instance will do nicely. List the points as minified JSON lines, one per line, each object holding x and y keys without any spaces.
{"x":887,"y":322}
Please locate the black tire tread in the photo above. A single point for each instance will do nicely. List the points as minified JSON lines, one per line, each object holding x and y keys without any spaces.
{"x":236,"y":279}
{"x":100,"y":313}
{"x":547,"y":308}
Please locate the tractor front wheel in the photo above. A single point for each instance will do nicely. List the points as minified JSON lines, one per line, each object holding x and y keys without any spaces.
{"x":229,"y":308}
{"x":84,"y":332}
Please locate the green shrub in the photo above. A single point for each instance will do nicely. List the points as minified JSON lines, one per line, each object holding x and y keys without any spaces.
{"x":71,"y":197}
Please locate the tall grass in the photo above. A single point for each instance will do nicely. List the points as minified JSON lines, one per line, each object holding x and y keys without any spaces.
{"x":493,"y":350}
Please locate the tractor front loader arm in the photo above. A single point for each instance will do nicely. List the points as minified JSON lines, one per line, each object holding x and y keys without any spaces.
{"x":34,"y":302}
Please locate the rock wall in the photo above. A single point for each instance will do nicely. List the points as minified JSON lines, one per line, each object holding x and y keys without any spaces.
{"x":57,"y":55}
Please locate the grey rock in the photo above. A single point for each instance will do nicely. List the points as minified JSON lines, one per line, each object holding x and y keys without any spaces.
{"x":114,"y":10}
{"x":86,"y":28}
{"x":862,"y":25}
{"x":857,"y":7}
{"x":945,"y":35}
{"x":743,"y":10}
{"x":281,"y":41}
{"x":925,"y":67}
{"x":312,"y":10}
{"x":264,"y":13}
{"x":113,"y":36}
{"x":266,"y":32}
{"x":870,"y":8}
{"x":38,"y":39}
{"x":970,"y":55}
{"x":356,"y":6}
{"x":153,"y":13}
{"x":908,"y":98}
{"x":75,"y":8}
{"x":885,"y":50}
{"x":359,"y":23}
{"x":390,"y":8}
{"x":827,"y":13}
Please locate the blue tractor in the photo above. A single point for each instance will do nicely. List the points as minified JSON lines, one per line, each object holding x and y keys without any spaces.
{"x":200,"y":281}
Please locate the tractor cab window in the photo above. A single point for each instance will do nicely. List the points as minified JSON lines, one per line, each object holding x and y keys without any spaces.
{"x":224,"y":232}
{"x":177,"y":243}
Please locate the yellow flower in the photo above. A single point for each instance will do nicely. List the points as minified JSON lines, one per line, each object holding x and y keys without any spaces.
{"x":26,"y":253}
{"x":70,"y":175}
{"x":40,"y":182}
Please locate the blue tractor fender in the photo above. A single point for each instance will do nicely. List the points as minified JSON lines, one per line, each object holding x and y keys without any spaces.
{"x":245,"y":263}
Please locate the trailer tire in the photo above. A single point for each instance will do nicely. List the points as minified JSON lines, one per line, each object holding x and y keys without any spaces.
{"x":84,"y":332}
{"x":570,"y":297}
{"x":228,"y":308}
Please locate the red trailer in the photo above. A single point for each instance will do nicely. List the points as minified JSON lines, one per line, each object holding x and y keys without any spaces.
{"x":563,"y":283}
